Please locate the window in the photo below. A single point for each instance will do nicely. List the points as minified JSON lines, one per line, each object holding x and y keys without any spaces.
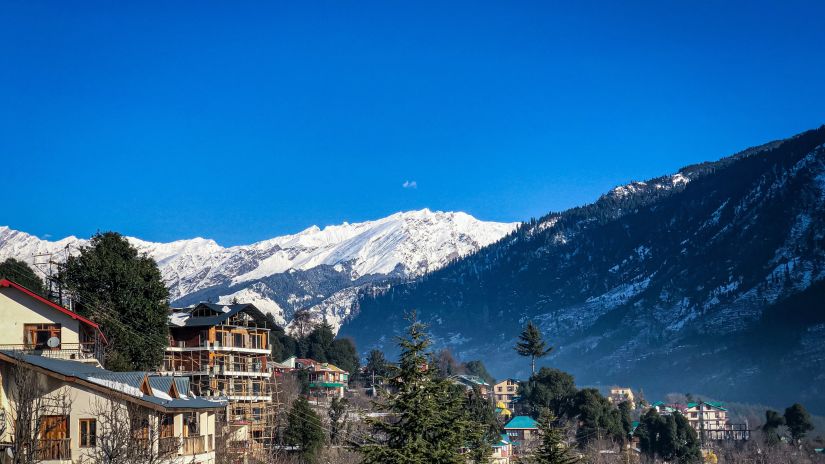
{"x":167,"y":426}
{"x":88,"y":433}
{"x":37,"y":335}
{"x":190,"y":424}
{"x":238,"y":340}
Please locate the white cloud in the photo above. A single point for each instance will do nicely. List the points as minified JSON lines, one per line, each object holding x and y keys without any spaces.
{"x":410,"y":184}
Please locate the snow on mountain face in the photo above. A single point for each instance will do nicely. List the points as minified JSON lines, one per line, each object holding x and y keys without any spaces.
{"x":315,"y":267}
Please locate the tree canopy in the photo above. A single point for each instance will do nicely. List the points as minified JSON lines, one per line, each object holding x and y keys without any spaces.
{"x":551,"y":389}
{"x":19,"y":272}
{"x":552,"y":449}
{"x":532,"y":345}
{"x":304,"y":430}
{"x":798,"y":421}
{"x":430,"y":422}
{"x":122,"y":290}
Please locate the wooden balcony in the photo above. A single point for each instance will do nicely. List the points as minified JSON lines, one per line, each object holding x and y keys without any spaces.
{"x":193,"y":445}
{"x":54,"y":449}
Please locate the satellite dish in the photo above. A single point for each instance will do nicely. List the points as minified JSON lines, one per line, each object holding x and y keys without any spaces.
{"x":53,"y":342}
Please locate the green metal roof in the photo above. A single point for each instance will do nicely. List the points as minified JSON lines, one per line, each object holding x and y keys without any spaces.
{"x":522,"y":422}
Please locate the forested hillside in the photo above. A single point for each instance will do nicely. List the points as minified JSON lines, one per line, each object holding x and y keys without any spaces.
{"x":709,"y":280}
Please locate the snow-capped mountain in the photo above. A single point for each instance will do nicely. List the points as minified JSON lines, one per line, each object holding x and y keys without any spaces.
{"x":710,"y":280}
{"x":316,"y":269}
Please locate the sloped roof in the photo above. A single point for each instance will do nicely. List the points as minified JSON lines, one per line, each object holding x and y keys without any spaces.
{"x":127,"y":383}
{"x":183,"y":316}
{"x":522,"y":422}
{"x":317,"y":366}
{"x":6,"y":283}
{"x":470,"y":380}
{"x":713,"y":404}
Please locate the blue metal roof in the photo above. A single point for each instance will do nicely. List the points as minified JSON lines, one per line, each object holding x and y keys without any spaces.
{"x":128,"y":383}
{"x":522,"y":422}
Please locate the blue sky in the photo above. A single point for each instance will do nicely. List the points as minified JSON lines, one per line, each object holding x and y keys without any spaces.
{"x":240,"y":121}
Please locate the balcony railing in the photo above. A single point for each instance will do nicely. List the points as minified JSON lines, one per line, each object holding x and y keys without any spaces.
{"x":53,"y":449}
{"x":85,"y":350}
{"x":194,"y":445}
{"x":168,"y":446}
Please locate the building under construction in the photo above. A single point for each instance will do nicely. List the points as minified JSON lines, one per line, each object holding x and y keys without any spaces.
{"x":225,"y":350}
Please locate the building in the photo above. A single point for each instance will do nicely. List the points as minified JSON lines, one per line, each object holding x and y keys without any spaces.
{"x":502,"y":451}
{"x":621,"y":394}
{"x":325,"y":380}
{"x":225,"y":349}
{"x":523,"y":432}
{"x":708,"y":418}
{"x":84,"y":412}
{"x":35,"y":324}
{"x":506,"y":392}
{"x":470,"y":382}
{"x":49,"y":367}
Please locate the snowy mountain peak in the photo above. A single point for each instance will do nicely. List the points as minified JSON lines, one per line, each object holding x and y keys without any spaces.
{"x":284,"y":274}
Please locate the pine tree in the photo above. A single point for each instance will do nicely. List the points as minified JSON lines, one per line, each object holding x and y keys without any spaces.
{"x":430,"y":422}
{"x":21,"y":273}
{"x":304,"y":430}
{"x":552,"y":449}
{"x":773,"y":420}
{"x":123,"y":291}
{"x":798,"y":421}
{"x":531,"y":344}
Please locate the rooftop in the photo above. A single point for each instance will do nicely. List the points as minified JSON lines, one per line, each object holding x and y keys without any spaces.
{"x":161,"y":390}
{"x":218,"y":314}
{"x":522,"y":422}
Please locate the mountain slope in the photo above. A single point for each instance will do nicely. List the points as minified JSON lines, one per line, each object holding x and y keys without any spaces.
{"x":316,"y":269}
{"x":671,"y":285}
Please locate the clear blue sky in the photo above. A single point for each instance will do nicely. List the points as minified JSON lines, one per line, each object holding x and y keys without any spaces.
{"x":240,"y":121}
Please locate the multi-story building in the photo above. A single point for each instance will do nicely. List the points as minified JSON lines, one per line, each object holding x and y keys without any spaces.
{"x":80,"y":411}
{"x":506,"y":392}
{"x":325,"y":380}
{"x":620,"y":394}
{"x":708,"y":418}
{"x":225,"y":349}
{"x":523,"y":432}
{"x":35,"y":324}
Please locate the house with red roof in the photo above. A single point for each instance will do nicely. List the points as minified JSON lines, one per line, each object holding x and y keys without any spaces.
{"x":34,"y":324}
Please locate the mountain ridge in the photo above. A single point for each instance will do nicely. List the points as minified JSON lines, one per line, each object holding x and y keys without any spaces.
{"x":297,"y":271}
{"x":673,"y":271}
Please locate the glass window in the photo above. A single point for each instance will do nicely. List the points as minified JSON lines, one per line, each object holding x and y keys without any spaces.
{"x":88,"y":433}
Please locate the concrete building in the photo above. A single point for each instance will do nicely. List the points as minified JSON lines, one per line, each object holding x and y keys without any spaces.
{"x":51,"y":383}
{"x":523,"y":432}
{"x":35,"y":324}
{"x":225,"y":349}
{"x":620,"y":394}
{"x":325,"y":380}
{"x":506,"y":392}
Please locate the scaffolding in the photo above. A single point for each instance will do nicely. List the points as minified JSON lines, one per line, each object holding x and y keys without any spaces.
{"x":230,"y":359}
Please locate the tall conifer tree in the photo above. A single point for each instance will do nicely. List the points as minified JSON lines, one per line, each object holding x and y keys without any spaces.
{"x":430,"y":422}
{"x":532,"y":345}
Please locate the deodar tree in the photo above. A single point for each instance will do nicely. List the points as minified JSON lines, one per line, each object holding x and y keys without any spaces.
{"x":122,"y":290}
{"x":532,"y":345}
{"x":428,"y":421}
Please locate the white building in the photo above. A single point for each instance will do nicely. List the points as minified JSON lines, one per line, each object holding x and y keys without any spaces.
{"x":58,"y":404}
